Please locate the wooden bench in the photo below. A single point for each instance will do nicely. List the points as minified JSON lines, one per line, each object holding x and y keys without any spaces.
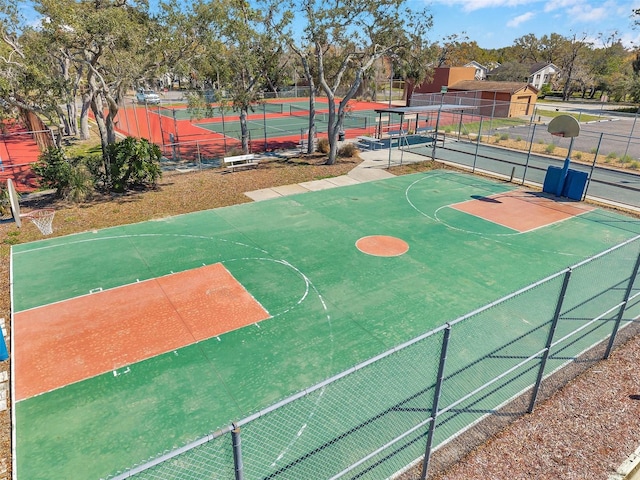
{"x":370,"y":143}
{"x":240,"y":161}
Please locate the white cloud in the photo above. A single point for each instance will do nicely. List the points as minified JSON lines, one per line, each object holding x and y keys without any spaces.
{"x":587,"y":13}
{"x":516,"y":21}
{"x":553,"y":5}
{"x":472,"y":5}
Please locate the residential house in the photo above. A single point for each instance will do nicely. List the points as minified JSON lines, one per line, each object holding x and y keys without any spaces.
{"x":536,"y":74}
{"x":542,"y":73}
{"x":481,"y":70}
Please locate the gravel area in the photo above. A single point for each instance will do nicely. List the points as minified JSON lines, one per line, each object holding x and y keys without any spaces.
{"x":584,"y":430}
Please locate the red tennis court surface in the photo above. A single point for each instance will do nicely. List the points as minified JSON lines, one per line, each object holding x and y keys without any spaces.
{"x":18,"y":150}
{"x":521,"y":211}
{"x":108,"y":330}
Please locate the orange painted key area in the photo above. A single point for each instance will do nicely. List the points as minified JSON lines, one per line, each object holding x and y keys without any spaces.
{"x":69,"y":341}
{"x":521,"y":211}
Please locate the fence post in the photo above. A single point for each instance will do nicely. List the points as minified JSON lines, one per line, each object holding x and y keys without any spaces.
{"x":526,"y":163}
{"x":146,"y":112}
{"x":475,"y":155}
{"x":177,"y":138}
{"x":593,"y":166}
{"x":264,"y":121}
{"x":237,"y":453}
{"x":547,"y":348}
{"x":623,"y":307}
{"x":635,"y":118}
{"x":436,"y":401}
{"x":135,"y":116}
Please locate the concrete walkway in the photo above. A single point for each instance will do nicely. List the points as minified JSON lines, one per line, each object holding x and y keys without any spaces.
{"x":371,"y":168}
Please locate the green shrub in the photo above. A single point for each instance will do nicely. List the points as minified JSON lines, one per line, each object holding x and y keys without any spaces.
{"x":323,"y":145}
{"x":577,"y":155}
{"x":626,"y":159}
{"x":348,"y":150}
{"x":612,"y":156}
{"x":81,"y":184}
{"x":4,"y":200}
{"x":593,"y":151}
{"x":133,"y":162}
{"x":72,"y":179}
{"x":504,"y":136}
{"x":635,"y":165}
{"x":54,"y":170}
{"x":550,"y":148}
{"x":518,"y":139}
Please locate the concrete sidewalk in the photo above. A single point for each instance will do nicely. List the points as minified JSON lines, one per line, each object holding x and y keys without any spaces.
{"x":371,"y":168}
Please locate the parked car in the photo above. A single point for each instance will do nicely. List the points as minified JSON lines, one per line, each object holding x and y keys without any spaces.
{"x":147,"y":96}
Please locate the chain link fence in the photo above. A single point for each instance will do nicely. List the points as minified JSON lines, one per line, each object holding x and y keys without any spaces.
{"x":489,"y":137}
{"x":421,"y":406}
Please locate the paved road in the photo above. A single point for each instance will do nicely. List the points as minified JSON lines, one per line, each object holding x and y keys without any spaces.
{"x":622,"y":187}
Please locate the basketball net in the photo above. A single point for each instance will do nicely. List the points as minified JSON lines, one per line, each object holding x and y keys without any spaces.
{"x":43,"y":219}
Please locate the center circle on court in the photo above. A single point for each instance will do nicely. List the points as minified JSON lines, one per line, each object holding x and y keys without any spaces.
{"x":382,"y":246}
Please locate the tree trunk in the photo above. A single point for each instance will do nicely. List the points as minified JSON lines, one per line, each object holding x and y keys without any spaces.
{"x":244,"y":129}
{"x":336,"y":117}
{"x":311,"y":133}
{"x":110,"y":120}
{"x":63,"y":126}
{"x":72,"y":113}
{"x":84,"y":116}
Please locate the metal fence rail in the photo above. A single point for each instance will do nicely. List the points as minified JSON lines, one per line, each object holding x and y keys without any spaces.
{"x":395,"y":410}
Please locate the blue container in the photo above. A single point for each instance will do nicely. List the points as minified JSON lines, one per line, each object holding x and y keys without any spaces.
{"x":551,"y":179}
{"x":4,"y":354}
{"x":574,"y":184}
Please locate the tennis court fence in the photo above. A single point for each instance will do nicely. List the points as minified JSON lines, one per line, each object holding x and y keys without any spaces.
{"x":419,"y":407}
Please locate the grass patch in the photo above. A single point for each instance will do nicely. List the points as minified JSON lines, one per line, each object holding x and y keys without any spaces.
{"x":581,"y":117}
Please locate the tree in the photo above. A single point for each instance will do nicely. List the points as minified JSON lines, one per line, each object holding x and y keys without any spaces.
{"x":30,"y":79}
{"x":572,"y":49}
{"x":511,"y":72}
{"x":246,"y":49}
{"x":347,"y":37}
{"x":454,"y":51}
{"x":527,"y":49}
{"x":607,"y":63}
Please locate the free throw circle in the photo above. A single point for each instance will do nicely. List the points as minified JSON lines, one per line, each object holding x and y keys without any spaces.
{"x":382,"y":246}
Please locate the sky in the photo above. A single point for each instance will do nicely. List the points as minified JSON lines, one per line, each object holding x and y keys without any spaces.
{"x":497,"y":23}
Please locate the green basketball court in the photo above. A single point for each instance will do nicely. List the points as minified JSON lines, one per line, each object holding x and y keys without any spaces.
{"x":330,"y":306}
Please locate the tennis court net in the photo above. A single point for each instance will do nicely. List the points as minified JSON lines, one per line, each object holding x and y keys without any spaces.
{"x":271,"y":107}
{"x":350,"y":120}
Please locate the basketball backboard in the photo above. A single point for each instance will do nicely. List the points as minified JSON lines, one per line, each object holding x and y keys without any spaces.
{"x":564,"y":126}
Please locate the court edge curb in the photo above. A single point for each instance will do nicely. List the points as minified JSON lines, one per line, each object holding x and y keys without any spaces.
{"x":629,"y":469}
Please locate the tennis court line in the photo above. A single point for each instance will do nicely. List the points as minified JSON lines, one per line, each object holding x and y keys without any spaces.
{"x":521,"y":211}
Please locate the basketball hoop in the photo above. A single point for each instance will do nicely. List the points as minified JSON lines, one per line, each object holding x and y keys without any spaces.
{"x":43,"y":219}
